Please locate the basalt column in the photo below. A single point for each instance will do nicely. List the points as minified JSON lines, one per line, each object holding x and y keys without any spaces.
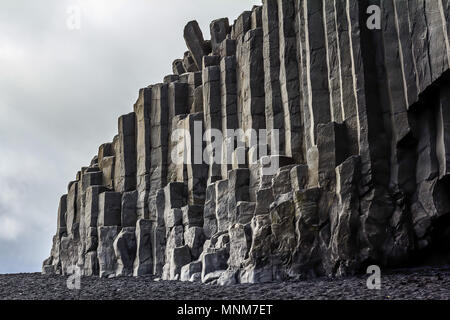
{"x":142,"y":109}
{"x":361,"y":175}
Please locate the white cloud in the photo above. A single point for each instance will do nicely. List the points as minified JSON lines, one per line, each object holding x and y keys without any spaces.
{"x":10,"y":229}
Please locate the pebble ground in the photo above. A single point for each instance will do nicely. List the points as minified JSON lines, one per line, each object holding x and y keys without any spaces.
{"x":410,"y":284}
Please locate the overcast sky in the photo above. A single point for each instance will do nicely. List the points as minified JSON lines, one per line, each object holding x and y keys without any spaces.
{"x":62,"y":90}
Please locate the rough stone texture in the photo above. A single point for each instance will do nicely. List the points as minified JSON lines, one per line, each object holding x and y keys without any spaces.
{"x":125,"y":251}
{"x":143,"y":264}
{"x":128,"y":214}
{"x":105,"y":252}
{"x":142,"y":109}
{"x":195,"y":43}
{"x":125,"y":153}
{"x":220,"y":28}
{"x":110,"y":204}
{"x":353,"y":168}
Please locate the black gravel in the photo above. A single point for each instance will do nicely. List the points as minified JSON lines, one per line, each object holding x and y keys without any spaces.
{"x":410,"y":284}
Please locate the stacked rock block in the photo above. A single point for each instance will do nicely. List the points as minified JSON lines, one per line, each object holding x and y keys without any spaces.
{"x":357,"y":127}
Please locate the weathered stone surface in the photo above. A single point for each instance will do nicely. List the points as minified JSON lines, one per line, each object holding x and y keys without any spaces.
{"x":238,"y":190}
{"x":142,"y":109}
{"x":180,"y":257}
{"x":178,"y":67}
{"x":299,"y":177}
{"x":258,"y":268}
{"x":91,"y":267}
{"x":125,"y":153}
{"x":105,"y":150}
{"x":220,"y":28}
{"x":110,"y":204}
{"x":105,"y":252}
{"x":173,"y":217}
{"x":250,"y":73}
{"x":212,"y":116}
{"x":71,"y":216}
{"x":108,"y":165}
{"x":282,"y":216}
{"x":245,"y":211}
{"x":125,"y":251}
{"x":62,"y":212}
{"x":227,"y":48}
{"x":209,"y":212}
{"x":241,"y":25}
{"x":189,"y":270}
{"x":171,"y":78}
{"x":348,"y":163}
{"x":143,"y":264}
{"x":280,"y":181}
{"x":195,"y":42}
{"x":194,"y":238}
{"x":264,"y":199}
{"x":189,"y":63}
{"x":128,"y":215}
{"x":212,"y":263}
{"x":197,"y":171}
{"x":193,"y":216}
{"x":92,"y":205}
{"x":159,"y":235}
{"x":159,"y":141}
{"x":221,"y":195}
{"x":175,"y":195}
{"x":240,"y":242}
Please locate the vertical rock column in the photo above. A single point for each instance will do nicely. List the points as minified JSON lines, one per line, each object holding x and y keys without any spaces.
{"x":178,"y":108}
{"x":176,"y":254}
{"x":229,"y":108}
{"x":348,"y":92}
{"x":195,"y":43}
{"x":212,"y":116}
{"x":315,"y":102}
{"x":106,"y":162}
{"x":289,"y":81}
{"x":250,"y":57}
{"x":443,"y":132}
{"x":142,"y":110}
{"x":197,"y":170}
{"x":238,"y":31}
{"x":159,"y":119}
{"x":125,"y":153}
{"x":333,"y":60}
{"x":109,"y":220}
{"x":219,"y":30}
{"x":91,"y":266}
{"x":271,"y":56}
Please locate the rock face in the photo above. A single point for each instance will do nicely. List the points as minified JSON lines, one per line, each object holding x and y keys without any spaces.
{"x":348,"y":164}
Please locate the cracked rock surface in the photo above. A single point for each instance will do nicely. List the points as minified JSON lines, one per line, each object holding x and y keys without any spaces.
{"x":361,"y":176}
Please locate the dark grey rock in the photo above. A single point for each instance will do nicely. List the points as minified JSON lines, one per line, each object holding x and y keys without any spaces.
{"x":219,"y":28}
{"x":125,"y":251}
{"x":195,"y":42}
{"x":105,"y":252}
{"x":110,"y":204}
{"x":129,"y":209}
{"x":143,"y":264}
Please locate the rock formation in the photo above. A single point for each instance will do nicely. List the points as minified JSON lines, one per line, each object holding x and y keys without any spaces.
{"x":355,"y":124}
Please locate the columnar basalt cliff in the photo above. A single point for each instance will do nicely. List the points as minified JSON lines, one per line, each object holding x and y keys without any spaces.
{"x":360,"y":120}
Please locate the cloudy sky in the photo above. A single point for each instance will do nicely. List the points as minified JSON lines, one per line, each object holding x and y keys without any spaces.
{"x":62,"y":89}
